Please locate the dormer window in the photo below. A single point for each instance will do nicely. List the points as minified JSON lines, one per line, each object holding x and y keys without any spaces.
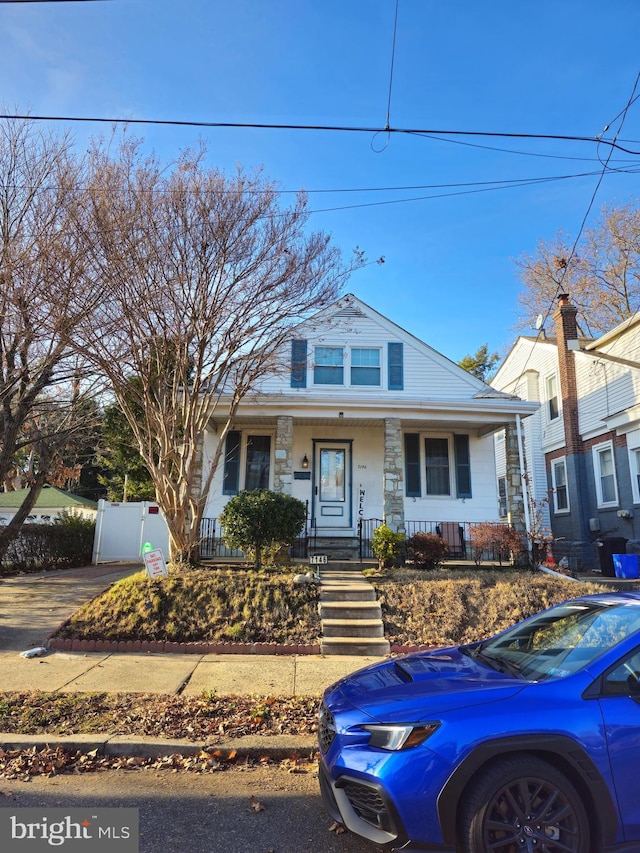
{"x":365,"y":366}
{"x":328,"y":366}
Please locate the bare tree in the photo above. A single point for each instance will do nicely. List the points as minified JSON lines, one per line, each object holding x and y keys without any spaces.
{"x":204,"y":276}
{"x":602,"y":275}
{"x":41,"y":302}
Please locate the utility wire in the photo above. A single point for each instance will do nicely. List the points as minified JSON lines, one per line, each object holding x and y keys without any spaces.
{"x":393,"y":56}
{"x":320,"y":127}
{"x":566,"y":262}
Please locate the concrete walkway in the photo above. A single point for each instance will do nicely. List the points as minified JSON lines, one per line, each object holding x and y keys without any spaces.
{"x":33,"y":606}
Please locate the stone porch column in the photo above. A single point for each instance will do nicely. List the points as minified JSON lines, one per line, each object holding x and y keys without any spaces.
{"x":515,"y":497}
{"x":393,"y":484}
{"x":283,"y":456}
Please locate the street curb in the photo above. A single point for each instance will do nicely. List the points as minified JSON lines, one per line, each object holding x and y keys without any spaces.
{"x":276,"y":748}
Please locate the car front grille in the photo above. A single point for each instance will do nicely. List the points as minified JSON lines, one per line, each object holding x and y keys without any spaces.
{"x":368,"y":804}
{"x":326,"y":729}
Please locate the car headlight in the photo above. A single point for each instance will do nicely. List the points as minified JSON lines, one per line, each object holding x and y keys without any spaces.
{"x":396,"y":737}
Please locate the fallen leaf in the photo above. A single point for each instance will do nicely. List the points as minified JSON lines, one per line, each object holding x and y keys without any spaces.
{"x":255,"y":804}
{"x":336,"y":827}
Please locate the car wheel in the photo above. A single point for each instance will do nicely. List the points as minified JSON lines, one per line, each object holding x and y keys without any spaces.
{"x":523,"y":804}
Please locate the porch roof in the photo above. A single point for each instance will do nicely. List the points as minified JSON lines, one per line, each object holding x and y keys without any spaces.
{"x":482,"y":416}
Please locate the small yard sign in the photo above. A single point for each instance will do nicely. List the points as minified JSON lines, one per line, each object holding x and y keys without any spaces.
{"x":155,"y":564}
{"x":318,"y":559}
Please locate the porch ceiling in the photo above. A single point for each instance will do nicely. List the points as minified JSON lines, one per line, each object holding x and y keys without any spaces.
{"x":477,"y":425}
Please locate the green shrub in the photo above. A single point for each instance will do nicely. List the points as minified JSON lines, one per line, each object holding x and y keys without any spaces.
{"x":65,"y":543}
{"x":386,"y":545}
{"x":426,"y":550}
{"x":259,"y":520}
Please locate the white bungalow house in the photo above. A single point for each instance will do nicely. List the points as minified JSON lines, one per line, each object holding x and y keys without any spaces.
{"x":366,"y":424}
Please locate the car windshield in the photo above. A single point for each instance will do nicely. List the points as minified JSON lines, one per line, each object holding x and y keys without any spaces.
{"x":560,"y":641}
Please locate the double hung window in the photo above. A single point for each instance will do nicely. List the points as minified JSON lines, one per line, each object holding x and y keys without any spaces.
{"x":365,"y":366}
{"x":553,"y":409}
{"x":605,"y":474}
{"x":247,"y":462}
{"x":437,"y":466}
{"x":634,"y":464}
{"x":559,"y":482}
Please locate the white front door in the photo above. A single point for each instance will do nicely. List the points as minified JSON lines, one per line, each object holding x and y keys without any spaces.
{"x":332,"y":485}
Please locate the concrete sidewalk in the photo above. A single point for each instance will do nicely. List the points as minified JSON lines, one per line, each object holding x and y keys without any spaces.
{"x":189,"y":675}
{"x":33,"y":606}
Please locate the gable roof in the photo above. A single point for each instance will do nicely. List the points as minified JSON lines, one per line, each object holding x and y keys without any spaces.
{"x":351,"y":306}
{"x":49,"y":498}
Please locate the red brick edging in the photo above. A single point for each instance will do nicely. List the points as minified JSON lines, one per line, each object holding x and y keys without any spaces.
{"x":161,"y":646}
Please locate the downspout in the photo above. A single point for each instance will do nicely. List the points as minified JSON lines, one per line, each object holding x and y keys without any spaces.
{"x":525,"y":486}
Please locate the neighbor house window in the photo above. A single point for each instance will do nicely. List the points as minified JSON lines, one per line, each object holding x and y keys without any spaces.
{"x":559,"y":482}
{"x":605,"y":474}
{"x":502,"y":497}
{"x":365,"y":366}
{"x":552,"y":398}
{"x":328,"y":366}
{"x":256,"y":451}
{"x":634,"y":463}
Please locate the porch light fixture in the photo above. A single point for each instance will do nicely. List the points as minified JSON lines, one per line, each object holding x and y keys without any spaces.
{"x":305,"y":461}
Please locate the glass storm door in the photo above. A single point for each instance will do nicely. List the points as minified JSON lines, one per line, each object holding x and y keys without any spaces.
{"x":332,"y":488}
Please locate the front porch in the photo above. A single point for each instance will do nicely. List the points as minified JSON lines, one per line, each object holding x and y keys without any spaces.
{"x":348,"y":547}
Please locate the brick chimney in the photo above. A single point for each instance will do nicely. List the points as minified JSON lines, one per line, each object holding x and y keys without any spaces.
{"x":567,"y":336}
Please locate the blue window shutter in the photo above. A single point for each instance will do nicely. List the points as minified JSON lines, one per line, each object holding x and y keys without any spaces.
{"x":463,"y":465}
{"x":298,"y":363}
{"x":395,"y":366}
{"x":231,"y":480}
{"x":412,"y":465}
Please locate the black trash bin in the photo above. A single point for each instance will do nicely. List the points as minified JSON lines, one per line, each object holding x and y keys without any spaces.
{"x":608,"y":547}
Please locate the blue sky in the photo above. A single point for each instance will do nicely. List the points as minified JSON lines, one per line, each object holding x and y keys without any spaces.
{"x":560,"y":67}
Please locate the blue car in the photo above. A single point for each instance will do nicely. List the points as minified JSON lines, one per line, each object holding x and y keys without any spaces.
{"x":528,"y":741}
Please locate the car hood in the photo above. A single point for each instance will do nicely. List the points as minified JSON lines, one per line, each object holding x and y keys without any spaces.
{"x":418,"y":686}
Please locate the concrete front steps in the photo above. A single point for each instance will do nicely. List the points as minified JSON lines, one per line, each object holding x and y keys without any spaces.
{"x":350,"y":614}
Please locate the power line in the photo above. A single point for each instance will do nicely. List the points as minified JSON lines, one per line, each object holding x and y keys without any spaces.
{"x":566,"y":262}
{"x":322,"y":127}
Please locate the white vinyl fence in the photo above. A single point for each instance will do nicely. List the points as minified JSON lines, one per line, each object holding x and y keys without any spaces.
{"x":122,"y":529}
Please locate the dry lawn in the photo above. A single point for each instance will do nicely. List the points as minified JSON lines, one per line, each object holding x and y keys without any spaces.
{"x":448,"y":607}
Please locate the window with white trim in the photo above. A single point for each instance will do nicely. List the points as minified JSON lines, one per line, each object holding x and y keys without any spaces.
{"x":604,"y":470}
{"x":328,"y":367}
{"x":502,"y":497}
{"x":634,"y":467}
{"x":247,"y":462}
{"x":559,"y":484}
{"x":553,"y":408}
{"x":365,"y":366}
{"x":347,"y":366}
{"x":437,"y":466}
